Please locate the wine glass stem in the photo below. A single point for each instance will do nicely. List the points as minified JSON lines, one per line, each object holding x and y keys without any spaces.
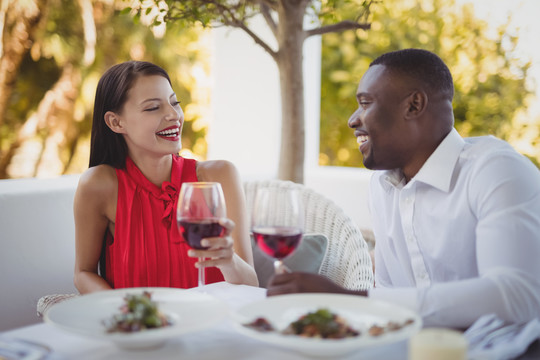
{"x":280,"y":267}
{"x":202,"y":280}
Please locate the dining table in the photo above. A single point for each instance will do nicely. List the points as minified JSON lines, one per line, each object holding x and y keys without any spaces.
{"x":219,"y":341}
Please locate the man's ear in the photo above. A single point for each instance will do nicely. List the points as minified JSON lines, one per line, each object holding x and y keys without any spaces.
{"x":113,"y":122}
{"x":416,"y":103}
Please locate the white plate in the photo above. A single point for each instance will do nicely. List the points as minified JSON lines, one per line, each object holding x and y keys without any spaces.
{"x":189,"y":310}
{"x":360,"y":312}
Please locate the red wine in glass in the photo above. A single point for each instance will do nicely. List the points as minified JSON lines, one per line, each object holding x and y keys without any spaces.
{"x":278,"y":242}
{"x":194,"y":230}
{"x":201,"y":205}
{"x":277,"y":223}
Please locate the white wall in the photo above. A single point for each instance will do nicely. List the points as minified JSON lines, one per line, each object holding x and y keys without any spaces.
{"x":246,"y":122}
{"x":245,"y":127}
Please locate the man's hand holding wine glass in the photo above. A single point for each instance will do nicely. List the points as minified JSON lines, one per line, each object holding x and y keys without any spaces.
{"x":278,"y":223}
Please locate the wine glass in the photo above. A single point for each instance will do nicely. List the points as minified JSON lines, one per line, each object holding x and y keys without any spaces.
{"x":278,"y":223}
{"x":201,"y":205}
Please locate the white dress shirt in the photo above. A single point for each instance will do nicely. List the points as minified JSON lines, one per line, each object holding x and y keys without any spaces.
{"x":462,"y":238}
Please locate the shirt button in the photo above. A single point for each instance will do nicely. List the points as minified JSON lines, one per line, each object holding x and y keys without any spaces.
{"x":410,"y":239}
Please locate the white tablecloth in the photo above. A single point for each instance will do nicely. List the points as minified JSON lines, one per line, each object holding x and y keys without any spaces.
{"x":219,"y":342}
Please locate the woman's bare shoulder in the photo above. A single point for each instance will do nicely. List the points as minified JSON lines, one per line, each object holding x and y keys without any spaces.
{"x":99,"y":181}
{"x":216,"y":170}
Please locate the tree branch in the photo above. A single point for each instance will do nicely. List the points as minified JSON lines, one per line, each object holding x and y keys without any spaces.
{"x":266,"y":13}
{"x":272,"y":4}
{"x":255,"y":38}
{"x":341,"y":26}
{"x":241,"y":24}
{"x":3,"y":13}
{"x":228,"y":18}
{"x":89,"y":27}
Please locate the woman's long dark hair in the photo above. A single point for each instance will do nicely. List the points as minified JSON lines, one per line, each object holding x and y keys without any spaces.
{"x":106,"y":146}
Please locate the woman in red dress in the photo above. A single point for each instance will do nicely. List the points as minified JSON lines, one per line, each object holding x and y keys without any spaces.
{"x":125,"y":204}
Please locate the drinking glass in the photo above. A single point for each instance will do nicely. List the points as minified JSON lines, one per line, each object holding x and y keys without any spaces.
{"x":277,"y":223}
{"x":201,"y":205}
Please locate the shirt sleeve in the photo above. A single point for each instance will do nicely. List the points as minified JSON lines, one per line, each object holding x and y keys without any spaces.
{"x":505,"y":196}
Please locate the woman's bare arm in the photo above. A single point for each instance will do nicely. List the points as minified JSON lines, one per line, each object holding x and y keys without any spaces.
{"x":94,"y":209}
{"x":237,"y":267}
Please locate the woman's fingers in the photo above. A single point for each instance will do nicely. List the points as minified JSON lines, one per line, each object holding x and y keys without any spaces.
{"x":221,"y":253}
{"x":215,"y":243}
{"x":228,"y":225}
{"x":219,"y":250}
{"x":211,"y":262}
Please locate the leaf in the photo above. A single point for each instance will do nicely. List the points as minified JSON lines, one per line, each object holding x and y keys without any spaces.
{"x":126,"y":11}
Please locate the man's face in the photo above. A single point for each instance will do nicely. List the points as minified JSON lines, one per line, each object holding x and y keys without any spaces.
{"x":379,"y":125}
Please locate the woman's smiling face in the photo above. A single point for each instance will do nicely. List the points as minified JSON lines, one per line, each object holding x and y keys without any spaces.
{"x":152,"y":118}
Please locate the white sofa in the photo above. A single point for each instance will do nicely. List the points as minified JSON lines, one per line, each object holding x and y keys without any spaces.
{"x":37,"y":245}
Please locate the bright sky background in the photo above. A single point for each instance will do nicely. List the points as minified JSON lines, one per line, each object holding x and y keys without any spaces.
{"x":525,"y":22}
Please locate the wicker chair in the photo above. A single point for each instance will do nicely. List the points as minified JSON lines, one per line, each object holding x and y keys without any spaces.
{"x":347,"y":261}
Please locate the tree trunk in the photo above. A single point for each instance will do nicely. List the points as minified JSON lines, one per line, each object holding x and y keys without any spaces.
{"x":290,"y":60}
{"x":61,"y":129}
{"x":55,"y":115}
{"x":53,"y":120}
{"x":21,"y":21}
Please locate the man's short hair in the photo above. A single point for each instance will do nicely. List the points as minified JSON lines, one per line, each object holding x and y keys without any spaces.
{"x":421,"y":65}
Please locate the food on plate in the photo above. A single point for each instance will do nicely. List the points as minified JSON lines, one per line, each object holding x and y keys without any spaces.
{"x":321,"y":324}
{"x":325,"y":324}
{"x":377,"y":330}
{"x":260,"y":324}
{"x":138,"y":313}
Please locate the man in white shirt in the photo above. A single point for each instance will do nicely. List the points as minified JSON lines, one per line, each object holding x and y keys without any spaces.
{"x":457,"y":221}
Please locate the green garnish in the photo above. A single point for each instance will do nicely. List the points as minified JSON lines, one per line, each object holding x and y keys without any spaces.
{"x":138,"y":313}
{"x":321,"y":323}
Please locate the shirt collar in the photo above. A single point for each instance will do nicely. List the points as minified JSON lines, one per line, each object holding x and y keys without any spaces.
{"x":437,"y":170}
{"x":392,"y":179}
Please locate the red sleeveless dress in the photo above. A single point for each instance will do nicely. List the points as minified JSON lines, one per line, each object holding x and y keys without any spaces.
{"x":147,"y":249}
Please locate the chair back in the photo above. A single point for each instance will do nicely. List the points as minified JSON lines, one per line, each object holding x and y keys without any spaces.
{"x":347,"y":261}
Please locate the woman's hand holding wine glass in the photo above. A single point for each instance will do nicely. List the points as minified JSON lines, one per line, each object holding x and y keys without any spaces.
{"x":278,"y":232}
{"x":202,"y":215}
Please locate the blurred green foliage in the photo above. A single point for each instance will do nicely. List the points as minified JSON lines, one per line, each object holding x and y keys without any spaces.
{"x":61,"y":42}
{"x":490,"y":82}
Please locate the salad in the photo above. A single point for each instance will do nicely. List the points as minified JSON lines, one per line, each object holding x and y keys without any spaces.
{"x":138,"y":313}
{"x":319,"y":324}
{"x":324,"y":324}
